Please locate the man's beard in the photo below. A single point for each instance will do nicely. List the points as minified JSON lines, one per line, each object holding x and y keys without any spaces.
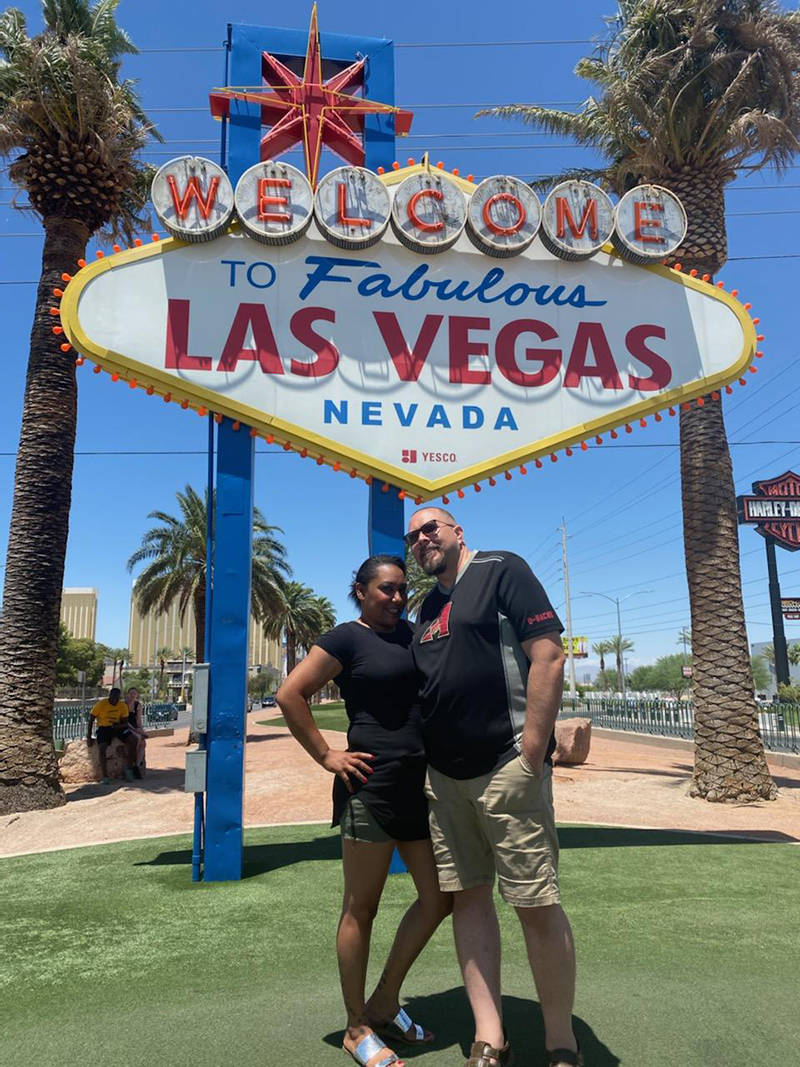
{"x":435,"y":568}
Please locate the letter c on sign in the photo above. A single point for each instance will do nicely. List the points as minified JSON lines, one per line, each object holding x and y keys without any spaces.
{"x":426,"y":227}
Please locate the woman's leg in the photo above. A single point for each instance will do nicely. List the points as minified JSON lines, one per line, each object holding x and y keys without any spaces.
{"x":414,"y":931}
{"x":365,"y":865}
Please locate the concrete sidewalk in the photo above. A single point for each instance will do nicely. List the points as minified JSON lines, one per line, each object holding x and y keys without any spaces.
{"x":626,"y":782}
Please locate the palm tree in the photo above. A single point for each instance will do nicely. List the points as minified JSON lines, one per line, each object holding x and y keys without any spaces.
{"x":301,"y":619}
{"x":619,"y":645}
{"x":162,"y":655}
{"x":419,"y":583}
{"x":689,"y":93}
{"x":600,"y":649}
{"x":176,"y":567}
{"x":71,"y":130}
{"x":124,"y":657}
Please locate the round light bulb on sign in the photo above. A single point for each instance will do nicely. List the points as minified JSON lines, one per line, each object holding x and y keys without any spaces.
{"x":352,"y":207}
{"x":274,"y":202}
{"x":650,"y":224}
{"x":428,"y":212}
{"x":577,"y":220}
{"x":193,"y":198}
{"x":503,"y":216}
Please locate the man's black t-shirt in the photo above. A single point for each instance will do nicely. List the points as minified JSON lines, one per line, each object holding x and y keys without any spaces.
{"x":472,"y":666}
{"x":379,"y":685}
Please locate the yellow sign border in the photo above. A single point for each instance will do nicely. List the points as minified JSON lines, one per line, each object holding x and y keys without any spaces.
{"x":359,"y":464}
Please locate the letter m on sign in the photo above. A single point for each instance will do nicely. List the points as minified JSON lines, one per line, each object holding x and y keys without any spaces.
{"x":182,"y":201}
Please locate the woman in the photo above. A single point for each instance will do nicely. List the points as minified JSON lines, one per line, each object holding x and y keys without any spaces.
{"x":378,"y":796}
{"x":136,"y":726}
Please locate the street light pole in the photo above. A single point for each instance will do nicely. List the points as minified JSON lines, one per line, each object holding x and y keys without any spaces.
{"x":617,"y":601}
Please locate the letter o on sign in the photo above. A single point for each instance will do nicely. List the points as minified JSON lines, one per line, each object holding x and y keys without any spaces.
{"x":193,"y":198}
{"x":577,"y":220}
{"x":274,"y":203}
{"x":650,"y":224}
{"x":352,"y":207}
{"x":428,"y":212}
{"x":503,"y":216}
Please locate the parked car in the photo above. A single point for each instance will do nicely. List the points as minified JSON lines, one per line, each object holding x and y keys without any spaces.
{"x":269,"y":702}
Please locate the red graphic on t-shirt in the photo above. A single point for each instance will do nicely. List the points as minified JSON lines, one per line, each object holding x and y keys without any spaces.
{"x":440,"y":627}
{"x":543,"y":616}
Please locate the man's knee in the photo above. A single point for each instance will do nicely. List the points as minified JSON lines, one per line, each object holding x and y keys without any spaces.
{"x":475,"y":897}
{"x":542,"y":919}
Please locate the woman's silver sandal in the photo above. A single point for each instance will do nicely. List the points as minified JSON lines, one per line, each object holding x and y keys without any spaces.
{"x":403,"y":1028}
{"x":369,"y":1046}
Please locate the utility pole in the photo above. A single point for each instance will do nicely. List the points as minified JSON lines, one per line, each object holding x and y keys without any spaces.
{"x":570,"y":657}
{"x":778,"y":632}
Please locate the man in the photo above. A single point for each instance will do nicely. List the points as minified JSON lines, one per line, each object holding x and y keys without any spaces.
{"x":111,"y":715}
{"x":488,"y":649}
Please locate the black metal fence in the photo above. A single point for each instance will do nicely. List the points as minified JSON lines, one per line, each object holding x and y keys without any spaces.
{"x":70,"y":720}
{"x":779,"y":723}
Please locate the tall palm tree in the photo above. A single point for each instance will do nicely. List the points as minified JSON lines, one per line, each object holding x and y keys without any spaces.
{"x":619,"y":645}
{"x":162,"y":655}
{"x":71,"y":130}
{"x":689,"y":93}
{"x":600,"y":649}
{"x":175,"y":553}
{"x":301,"y":618}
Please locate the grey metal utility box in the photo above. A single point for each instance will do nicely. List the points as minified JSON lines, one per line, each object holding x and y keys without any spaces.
{"x":195,"y":771}
{"x":199,"y":724}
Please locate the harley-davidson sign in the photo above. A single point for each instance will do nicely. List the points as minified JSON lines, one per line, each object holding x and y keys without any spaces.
{"x":774,"y":510}
{"x":408,"y":326}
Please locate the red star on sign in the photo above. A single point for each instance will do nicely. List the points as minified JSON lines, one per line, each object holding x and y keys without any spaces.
{"x":312,"y":111}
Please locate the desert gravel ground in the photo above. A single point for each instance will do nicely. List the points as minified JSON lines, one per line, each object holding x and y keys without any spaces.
{"x":624,"y":783}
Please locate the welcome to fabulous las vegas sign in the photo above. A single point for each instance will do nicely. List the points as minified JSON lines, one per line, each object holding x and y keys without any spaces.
{"x":409,"y":326}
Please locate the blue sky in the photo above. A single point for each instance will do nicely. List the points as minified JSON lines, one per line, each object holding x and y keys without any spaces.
{"x":621,"y":503}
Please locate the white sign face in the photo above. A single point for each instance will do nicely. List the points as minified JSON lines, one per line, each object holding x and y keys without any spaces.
{"x":503,"y":216}
{"x":650,"y":223}
{"x":193,"y":197}
{"x":274,"y":202}
{"x":577,"y":220}
{"x":428,"y":212}
{"x":352,"y":207}
{"x":427,"y":372}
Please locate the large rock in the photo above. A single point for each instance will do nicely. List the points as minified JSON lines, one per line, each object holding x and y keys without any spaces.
{"x":80,"y":763}
{"x":573,"y":738}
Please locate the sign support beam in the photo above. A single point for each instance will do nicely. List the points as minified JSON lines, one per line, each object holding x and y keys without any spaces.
{"x":778,"y":632}
{"x":230,"y":620}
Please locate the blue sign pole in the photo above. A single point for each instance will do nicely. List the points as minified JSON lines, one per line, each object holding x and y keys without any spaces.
{"x":230,"y":612}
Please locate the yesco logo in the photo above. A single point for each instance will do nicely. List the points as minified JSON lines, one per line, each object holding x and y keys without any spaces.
{"x":409,"y":455}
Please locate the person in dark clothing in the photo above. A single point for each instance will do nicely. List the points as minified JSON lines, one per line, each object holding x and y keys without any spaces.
{"x":378,"y":796}
{"x":489,"y":653}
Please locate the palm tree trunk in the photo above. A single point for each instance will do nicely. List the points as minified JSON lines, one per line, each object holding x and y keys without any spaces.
{"x":37,"y":544}
{"x":729,"y":755}
{"x":291,"y":652}
{"x":199,"y":605}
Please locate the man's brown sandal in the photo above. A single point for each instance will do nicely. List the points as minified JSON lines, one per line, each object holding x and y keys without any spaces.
{"x":482,"y":1054}
{"x":564,"y":1057}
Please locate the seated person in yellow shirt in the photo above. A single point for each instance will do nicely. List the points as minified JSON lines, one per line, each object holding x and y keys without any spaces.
{"x":112,"y":721}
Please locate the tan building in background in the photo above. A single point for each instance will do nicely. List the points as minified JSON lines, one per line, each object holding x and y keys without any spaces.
{"x":79,"y":611}
{"x":146,"y":633}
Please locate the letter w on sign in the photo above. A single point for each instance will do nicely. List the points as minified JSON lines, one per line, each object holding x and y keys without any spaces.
{"x":440,"y":627}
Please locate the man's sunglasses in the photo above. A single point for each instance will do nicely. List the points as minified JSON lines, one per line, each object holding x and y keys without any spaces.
{"x":427,"y":528}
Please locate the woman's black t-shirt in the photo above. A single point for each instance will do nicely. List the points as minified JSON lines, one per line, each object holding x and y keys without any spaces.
{"x":379,"y":685}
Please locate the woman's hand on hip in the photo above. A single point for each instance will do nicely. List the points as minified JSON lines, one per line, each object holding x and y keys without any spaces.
{"x":343,"y":764}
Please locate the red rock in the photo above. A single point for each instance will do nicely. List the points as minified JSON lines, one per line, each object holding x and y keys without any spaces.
{"x":80,"y":763}
{"x":573,"y":738}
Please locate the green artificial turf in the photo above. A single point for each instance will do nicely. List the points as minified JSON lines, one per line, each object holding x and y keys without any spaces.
{"x":326,"y":716}
{"x":688,"y":954}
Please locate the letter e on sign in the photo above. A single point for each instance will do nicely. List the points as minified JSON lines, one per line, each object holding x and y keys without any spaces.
{"x":193,"y":198}
{"x":503,"y":216}
{"x":352,"y":207}
{"x":650,"y":224}
{"x":274,"y":203}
